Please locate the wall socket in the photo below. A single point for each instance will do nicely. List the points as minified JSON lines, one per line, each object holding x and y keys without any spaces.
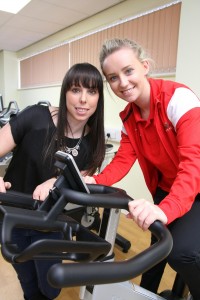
{"x":115,"y":134}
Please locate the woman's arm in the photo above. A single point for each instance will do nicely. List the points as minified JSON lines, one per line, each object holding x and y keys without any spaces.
{"x":120,"y":165}
{"x":7,"y":145}
{"x":187,"y":182}
{"x":184,"y":112}
{"x":42,"y":190}
{"x":6,"y":140}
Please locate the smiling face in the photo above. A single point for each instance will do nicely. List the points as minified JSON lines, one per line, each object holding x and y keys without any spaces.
{"x":81,"y":103}
{"x":127,"y":76}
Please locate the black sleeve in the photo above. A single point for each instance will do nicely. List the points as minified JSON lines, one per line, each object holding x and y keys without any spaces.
{"x":25,"y":120}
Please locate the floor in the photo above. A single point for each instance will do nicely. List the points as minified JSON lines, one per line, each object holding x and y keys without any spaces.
{"x":11,"y":290}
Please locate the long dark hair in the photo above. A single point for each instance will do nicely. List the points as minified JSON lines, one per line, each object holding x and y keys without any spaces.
{"x":88,"y":76}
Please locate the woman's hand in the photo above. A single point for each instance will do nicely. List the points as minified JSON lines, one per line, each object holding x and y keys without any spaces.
{"x":4,"y":185}
{"x":42,"y":190}
{"x":144,"y":213}
{"x":89,"y":180}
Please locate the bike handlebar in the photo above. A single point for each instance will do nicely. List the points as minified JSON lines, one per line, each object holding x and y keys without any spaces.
{"x":17,"y":199}
{"x":49,"y":221}
{"x":65,"y":275}
{"x":68,"y":275}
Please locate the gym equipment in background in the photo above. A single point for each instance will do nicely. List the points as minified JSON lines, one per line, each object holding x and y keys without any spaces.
{"x":8,"y":113}
{"x":44,"y":102}
{"x":1,"y":103}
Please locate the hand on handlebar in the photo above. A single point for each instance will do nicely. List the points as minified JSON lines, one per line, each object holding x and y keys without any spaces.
{"x":42,"y":190}
{"x":144,"y":213}
{"x":89,"y":180}
{"x":4,"y":185}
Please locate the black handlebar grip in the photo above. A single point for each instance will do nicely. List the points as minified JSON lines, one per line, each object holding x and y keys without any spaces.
{"x":17,"y":199}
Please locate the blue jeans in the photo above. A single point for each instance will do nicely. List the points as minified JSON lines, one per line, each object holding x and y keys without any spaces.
{"x":33,"y":274}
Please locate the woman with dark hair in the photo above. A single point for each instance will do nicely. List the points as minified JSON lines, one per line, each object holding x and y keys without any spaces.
{"x":34,"y":136}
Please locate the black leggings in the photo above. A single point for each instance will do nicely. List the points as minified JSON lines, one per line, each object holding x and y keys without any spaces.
{"x":185,"y":255}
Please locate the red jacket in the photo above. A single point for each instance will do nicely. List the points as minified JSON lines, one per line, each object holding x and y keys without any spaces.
{"x":177,"y":120}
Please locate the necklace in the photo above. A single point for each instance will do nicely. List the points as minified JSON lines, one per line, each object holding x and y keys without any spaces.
{"x":74,"y":150}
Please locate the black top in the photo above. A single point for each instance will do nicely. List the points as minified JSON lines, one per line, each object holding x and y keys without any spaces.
{"x":32,"y":130}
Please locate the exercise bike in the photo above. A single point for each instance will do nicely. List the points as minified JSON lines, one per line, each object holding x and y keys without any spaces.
{"x":95,"y":267}
{"x":8,"y":112}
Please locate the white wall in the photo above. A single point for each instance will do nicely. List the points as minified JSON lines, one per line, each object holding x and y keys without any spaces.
{"x":32,"y":96}
{"x":2,"y":73}
{"x":188,"y":57}
{"x":8,"y":76}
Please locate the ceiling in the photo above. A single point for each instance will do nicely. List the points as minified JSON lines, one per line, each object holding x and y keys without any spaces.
{"x":42,"y":18}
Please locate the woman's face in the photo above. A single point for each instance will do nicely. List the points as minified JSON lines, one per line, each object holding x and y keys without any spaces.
{"x":126,"y":75}
{"x":81,"y":102}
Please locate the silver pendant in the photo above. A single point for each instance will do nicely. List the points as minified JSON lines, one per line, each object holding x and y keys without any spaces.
{"x":74,"y":152}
